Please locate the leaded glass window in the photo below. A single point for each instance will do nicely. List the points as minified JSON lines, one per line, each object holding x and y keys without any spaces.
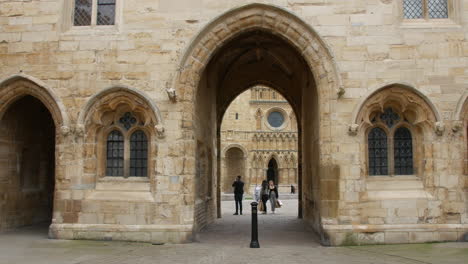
{"x":378,"y":152}
{"x":437,"y":8}
{"x":389,"y":117}
{"x":82,"y":13}
{"x":127,"y":120}
{"x":403,"y":151}
{"x":115,"y":154}
{"x":413,"y":9}
{"x":94,"y":12}
{"x":105,"y":12}
{"x":138,"y":154}
{"x":425,"y":9}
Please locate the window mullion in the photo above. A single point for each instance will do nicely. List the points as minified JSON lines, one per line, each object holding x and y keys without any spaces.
{"x":425,"y":9}
{"x":391,"y":161}
{"x":127,"y":156}
{"x":94,"y":13}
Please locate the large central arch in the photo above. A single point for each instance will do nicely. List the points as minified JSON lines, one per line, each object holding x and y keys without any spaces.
{"x":250,"y":45}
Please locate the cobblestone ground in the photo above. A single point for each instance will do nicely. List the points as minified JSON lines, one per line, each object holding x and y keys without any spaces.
{"x":283,"y":239}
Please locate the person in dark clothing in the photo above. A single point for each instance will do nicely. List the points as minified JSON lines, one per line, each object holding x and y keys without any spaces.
{"x":238,"y":193}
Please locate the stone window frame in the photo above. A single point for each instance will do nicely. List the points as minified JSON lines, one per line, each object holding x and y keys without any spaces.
{"x":96,"y":119}
{"x":420,"y":112}
{"x":390,"y":132}
{"x":68,"y":18}
{"x":285,"y":116}
{"x":453,"y":20}
{"x":102,"y":152}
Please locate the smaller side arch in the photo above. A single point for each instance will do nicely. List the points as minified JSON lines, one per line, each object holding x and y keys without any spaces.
{"x":270,"y":157}
{"x":404,"y":86}
{"x":230,"y":146}
{"x":403,"y":96}
{"x":94,"y":100}
{"x":19,"y":85}
{"x":462,"y":107}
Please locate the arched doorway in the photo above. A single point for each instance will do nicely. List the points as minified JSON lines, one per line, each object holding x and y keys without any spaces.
{"x":261,"y":44}
{"x":272,"y":171}
{"x":27,"y":164}
{"x":235,"y":165}
{"x":236,"y":67}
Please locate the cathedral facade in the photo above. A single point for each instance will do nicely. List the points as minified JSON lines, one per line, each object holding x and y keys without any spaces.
{"x":111,"y":115}
{"x":259,"y":141}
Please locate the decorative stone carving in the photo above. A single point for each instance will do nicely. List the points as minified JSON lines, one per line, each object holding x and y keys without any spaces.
{"x":353,"y":129}
{"x":171,"y":93}
{"x":80,"y":130}
{"x":341,"y":91}
{"x":409,"y":105}
{"x":457,"y":126}
{"x":65,"y":130}
{"x":439,"y":128}
{"x":160,"y":130}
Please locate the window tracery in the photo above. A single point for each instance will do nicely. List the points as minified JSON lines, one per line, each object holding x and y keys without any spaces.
{"x":120,"y":134}
{"x":389,"y":130}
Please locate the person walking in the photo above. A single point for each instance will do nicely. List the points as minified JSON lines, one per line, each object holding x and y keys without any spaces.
{"x":238,"y":193}
{"x":264,"y":194}
{"x":273,"y":195}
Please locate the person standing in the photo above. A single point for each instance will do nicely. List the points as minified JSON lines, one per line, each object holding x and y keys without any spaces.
{"x":238,"y":193}
{"x":264,"y":194}
{"x":273,"y":195}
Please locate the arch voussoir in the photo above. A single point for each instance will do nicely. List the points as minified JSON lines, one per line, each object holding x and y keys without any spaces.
{"x":17,"y":86}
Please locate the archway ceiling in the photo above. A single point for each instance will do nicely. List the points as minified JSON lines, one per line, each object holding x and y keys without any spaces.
{"x":258,"y":57}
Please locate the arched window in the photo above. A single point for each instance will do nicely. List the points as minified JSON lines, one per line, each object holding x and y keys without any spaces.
{"x":390,"y":145}
{"x":403,"y":151}
{"x":115,"y":154}
{"x":127,"y":148}
{"x":138,"y":154}
{"x":378,"y":152}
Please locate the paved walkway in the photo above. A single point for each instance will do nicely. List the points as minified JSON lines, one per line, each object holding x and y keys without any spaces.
{"x":283,"y":239}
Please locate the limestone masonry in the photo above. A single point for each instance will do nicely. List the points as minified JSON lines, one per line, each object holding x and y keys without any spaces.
{"x":111,"y":115}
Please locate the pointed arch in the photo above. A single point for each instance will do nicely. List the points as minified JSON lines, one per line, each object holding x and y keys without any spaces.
{"x":410,"y":102}
{"x":271,"y":156}
{"x":270,"y":18}
{"x":462,"y":107}
{"x":95,"y":100}
{"x":20,"y":85}
{"x":395,"y":87}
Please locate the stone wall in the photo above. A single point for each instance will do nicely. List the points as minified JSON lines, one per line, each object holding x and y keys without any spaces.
{"x":333,"y":56}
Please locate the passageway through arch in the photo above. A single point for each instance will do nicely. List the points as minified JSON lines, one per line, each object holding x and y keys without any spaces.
{"x":255,"y":57}
{"x":27,"y":164}
{"x":258,"y":44}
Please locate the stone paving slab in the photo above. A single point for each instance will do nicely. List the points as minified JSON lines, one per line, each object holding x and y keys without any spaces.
{"x":283,"y":239}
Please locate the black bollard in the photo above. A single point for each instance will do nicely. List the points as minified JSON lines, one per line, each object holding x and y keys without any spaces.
{"x":254,"y":242}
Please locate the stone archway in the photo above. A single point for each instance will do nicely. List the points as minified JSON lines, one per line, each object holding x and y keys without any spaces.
{"x":460,"y":125}
{"x":262,"y":44}
{"x":33,"y":123}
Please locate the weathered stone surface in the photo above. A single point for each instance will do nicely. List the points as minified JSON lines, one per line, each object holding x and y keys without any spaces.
{"x":310,"y":53}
